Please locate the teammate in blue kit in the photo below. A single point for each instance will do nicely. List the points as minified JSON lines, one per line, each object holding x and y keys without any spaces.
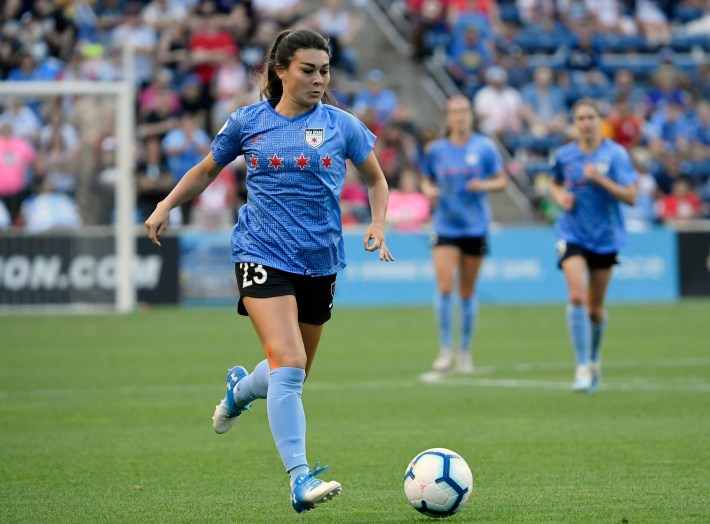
{"x":459,"y":170}
{"x":591,"y":176}
{"x":287,"y":245}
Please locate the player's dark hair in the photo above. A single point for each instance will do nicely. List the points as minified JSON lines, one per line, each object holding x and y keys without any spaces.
{"x":285,"y":45}
{"x":588,"y":102}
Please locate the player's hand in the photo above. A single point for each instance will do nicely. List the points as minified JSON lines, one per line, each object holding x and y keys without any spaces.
{"x":375,"y":240}
{"x":567,"y":201}
{"x":157,"y":223}
{"x":591,"y":172}
{"x":475,"y":186}
{"x":431,"y":192}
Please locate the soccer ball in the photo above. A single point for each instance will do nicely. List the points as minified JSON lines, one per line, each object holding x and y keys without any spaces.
{"x":438,"y":482}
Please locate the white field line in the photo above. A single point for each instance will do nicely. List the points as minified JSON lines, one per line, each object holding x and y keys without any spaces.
{"x":431,"y":377}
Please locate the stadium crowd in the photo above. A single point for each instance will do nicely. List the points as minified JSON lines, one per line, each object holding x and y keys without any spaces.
{"x":522,"y":62}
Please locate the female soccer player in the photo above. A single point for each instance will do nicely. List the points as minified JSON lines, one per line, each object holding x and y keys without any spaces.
{"x":590,"y":177}
{"x":287,"y":244}
{"x":459,"y":170}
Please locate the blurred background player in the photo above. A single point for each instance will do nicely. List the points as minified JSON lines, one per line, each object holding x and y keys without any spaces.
{"x":459,"y":170}
{"x":287,"y":249}
{"x":592,"y":176}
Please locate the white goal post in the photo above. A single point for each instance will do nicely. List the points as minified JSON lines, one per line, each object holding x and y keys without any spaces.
{"x":125,"y":229}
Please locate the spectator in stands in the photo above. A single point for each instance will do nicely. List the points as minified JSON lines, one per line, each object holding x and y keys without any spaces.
{"x":652,"y":22}
{"x":56,"y":163}
{"x":670,"y":167}
{"x":49,"y":210}
{"x":408,"y":209}
{"x":428,"y":26}
{"x":468,"y":57}
{"x":196,"y":100}
{"x":376,"y":95}
{"x":354,"y":201}
{"x":341,"y":25}
{"x":498,"y":106}
{"x":110,"y":15}
{"x":624,"y":87}
{"x":669,"y":127}
{"x":700,"y":131}
{"x":666,"y":88}
{"x":183,"y":148}
{"x":26,"y":123}
{"x":17,"y":157}
{"x":536,"y":11}
{"x":173,"y":50}
{"x":153,"y":179}
{"x":231,"y":88}
{"x":159,"y":121}
{"x":622,"y":125}
{"x":163,"y":14}
{"x":543,"y":107}
{"x":209,"y":46}
{"x":142,"y":38}
{"x":683,"y":203}
{"x":160,"y":87}
{"x":642,"y":215}
{"x":216,"y":207}
{"x":582,"y":57}
{"x":284,"y":12}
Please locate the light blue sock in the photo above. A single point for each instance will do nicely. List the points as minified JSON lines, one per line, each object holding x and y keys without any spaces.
{"x":597,"y":335}
{"x":469,"y":313}
{"x":286,"y":416}
{"x":580,"y":329}
{"x":298,"y":470}
{"x":253,"y":386}
{"x":443,"y":307}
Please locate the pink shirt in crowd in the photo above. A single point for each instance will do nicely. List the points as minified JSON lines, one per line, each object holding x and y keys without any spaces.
{"x":16,"y":156}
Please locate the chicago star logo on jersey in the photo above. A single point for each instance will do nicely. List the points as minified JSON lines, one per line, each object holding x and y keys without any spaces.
{"x":602,"y":167}
{"x":314,"y":137}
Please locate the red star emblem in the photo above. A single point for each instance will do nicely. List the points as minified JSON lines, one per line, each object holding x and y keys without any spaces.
{"x":301,"y":161}
{"x":275,"y":162}
{"x":254,"y":161}
{"x":326,"y":161}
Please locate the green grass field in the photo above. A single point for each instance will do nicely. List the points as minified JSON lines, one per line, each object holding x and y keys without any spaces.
{"x":107,"y":418}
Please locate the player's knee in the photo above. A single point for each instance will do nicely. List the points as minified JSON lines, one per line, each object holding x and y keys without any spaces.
{"x":596,"y":314}
{"x":577,"y":298}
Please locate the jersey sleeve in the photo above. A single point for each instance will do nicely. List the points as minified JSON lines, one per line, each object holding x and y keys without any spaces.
{"x":227,"y":145}
{"x":556,"y":169}
{"x":427,"y":164}
{"x":495,"y":161}
{"x":623,"y":171}
{"x":360,"y":140}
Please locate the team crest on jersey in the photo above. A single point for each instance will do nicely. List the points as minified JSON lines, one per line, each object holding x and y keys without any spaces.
{"x":471,"y":159}
{"x":315,"y":137}
{"x":603,"y":167}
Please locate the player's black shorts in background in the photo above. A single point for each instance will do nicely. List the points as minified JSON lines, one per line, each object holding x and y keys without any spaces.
{"x":474,"y":246}
{"x":314,"y":295}
{"x":594,"y":260}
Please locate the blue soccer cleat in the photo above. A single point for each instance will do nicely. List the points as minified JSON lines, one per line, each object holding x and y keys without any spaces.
{"x":226,"y":413}
{"x":307,"y":491}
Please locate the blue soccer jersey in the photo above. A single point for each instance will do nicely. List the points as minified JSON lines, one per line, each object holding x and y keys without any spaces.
{"x":461,"y":213}
{"x":295,"y":174}
{"x":595,"y":221}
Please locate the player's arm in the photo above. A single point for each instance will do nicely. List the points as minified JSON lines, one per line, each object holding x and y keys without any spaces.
{"x":192,"y":184}
{"x":496,"y":183}
{"x":378,"y":193}
{"x":564,"y":198}
{"x":626,"y":194}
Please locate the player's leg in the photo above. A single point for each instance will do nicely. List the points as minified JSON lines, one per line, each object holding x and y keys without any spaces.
{"x":598,"y":284}
{"x":469,"y":270}
{"x":575,"y":270}
{"x":446,"y":261}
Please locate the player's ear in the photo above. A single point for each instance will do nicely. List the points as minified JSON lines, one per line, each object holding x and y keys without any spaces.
{"x":280,"y":71}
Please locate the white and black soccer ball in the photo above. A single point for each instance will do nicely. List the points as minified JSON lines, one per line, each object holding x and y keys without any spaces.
{"x":438,"y":482}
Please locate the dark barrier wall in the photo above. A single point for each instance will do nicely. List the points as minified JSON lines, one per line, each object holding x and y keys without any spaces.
{"x":64,"y":269}
{"x":694,"y":263}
